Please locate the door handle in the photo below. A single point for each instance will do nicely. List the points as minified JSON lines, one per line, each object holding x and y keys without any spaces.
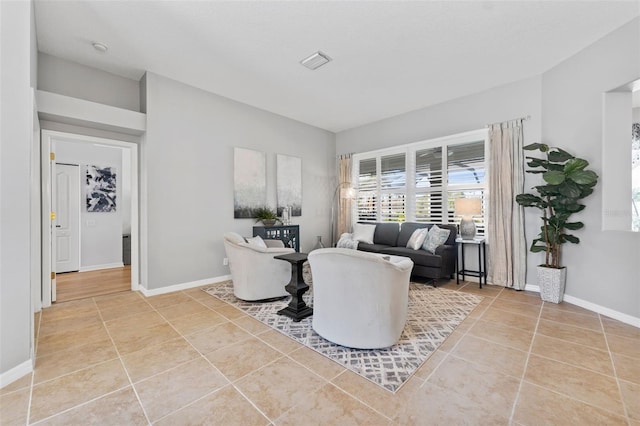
{"x":58,"y":226}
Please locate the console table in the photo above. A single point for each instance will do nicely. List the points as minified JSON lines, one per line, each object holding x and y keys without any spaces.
{"x":288,"y":234}
{"x":482,"y":260}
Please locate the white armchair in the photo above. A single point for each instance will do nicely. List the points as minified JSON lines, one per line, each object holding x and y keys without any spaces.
{"x":255,"y":273}
{"x":360,"y":299}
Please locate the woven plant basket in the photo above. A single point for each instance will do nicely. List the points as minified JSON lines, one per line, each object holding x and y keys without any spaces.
{"x":551,"y":282}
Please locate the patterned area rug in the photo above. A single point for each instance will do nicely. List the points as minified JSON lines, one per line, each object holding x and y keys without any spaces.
{"x":432,"y":316}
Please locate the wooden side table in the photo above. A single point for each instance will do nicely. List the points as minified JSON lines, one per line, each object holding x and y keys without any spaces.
{"x":297,"y":308}
{"x":482,"y":260}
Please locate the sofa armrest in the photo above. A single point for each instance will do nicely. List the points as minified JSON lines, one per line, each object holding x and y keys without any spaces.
{"x":448,"y":254}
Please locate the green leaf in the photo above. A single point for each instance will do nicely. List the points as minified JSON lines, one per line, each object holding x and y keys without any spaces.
{"x":583,"y":177}
{"x":574,"y":165}
{"x":532,"y":147}
{"x":574,"y":225}
{"x":537,"y":249}
{"x":559,"y":156}
{"x":536,"y":162}
{"x":585,"y":191}
{"x":547,"y":190}
{"x":571,"y":238}
{"x":570,"y":189}
{"x":556,"y":167}
{"x":530,"y":200}
{"x":554,"y":177}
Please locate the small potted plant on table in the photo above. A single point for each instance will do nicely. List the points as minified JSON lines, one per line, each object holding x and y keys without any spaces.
{"x":566,"y":181}
{"x":266,"y":215}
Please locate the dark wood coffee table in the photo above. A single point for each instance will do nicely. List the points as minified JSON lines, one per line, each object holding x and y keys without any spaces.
{"x":296,"y":309}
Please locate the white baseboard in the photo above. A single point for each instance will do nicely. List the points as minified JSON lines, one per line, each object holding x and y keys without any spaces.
{"x":622,"y":317}
{"x":183,"y":286}
{"x":16,"y":373}
{"x":99,"y":267}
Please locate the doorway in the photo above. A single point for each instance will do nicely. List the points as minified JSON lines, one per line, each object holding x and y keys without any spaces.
{"x":96,"y":274}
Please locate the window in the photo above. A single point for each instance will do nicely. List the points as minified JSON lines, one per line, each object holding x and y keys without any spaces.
{"x":418,"y":183}
{"x":368,"y":190}
{"x":393,"y":179}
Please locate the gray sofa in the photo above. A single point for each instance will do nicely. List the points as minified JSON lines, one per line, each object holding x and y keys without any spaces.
{"x":392,"y":237}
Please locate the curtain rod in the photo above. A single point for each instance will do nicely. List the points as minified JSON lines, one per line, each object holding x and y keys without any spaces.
{"x":525,"y":118}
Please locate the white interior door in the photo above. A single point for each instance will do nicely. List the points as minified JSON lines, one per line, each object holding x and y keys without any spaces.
{"x":67,"y":221}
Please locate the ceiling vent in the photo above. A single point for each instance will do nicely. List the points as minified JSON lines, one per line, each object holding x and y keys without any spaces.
{"x":316,"y":60}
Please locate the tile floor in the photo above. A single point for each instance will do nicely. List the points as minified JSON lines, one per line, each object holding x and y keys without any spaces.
{"x":188,"y":358}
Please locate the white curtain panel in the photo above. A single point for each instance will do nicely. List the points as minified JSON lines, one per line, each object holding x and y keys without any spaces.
{"x":344,"y":204}
{"x":507,"y":245}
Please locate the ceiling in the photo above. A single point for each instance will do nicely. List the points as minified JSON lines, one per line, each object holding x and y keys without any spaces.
{"x":389,"y":57}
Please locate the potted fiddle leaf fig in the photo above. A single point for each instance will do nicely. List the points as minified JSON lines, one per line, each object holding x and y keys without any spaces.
{"x":566,"y":182}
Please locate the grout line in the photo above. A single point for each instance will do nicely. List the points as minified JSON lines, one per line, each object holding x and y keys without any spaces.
{"x":526,"y":365}
{"x":33,"y":373}
{"x":615,"y":371}
{"x":135,"y":391}
{"x":66,"y":410}
{"x":573,"y":398}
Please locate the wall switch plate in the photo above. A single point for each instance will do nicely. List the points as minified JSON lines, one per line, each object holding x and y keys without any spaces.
{"x":225,"y":261}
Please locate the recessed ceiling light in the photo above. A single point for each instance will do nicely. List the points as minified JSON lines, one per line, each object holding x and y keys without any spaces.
{"x":316,"y":60}
{"x":100,"y":47}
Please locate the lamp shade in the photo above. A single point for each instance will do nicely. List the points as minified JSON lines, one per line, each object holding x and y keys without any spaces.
{"x":468,"y":206}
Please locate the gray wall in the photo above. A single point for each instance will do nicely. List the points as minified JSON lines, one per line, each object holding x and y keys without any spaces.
{"x":473,"y":112}
{"x":79,"y":81}
{"x":100,"y":232}
{"x":514,"y":100}
{"x":15,"y":140}
{"x":603,"y":269}
{"x":188,"y":151}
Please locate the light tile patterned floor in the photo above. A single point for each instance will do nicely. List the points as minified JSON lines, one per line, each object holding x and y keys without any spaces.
{"x":188,"y":358}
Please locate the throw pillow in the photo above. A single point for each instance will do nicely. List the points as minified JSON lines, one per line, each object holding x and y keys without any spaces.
{"x":436,"y":237}
{"x":257,"y":241}
{"x":417,"y":239}
{"x":363,"y":233}
{"x":346,"y":241}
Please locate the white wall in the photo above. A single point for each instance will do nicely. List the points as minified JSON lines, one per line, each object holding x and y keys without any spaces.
{"x":188,"y":151}
{"x":636,"y":115}
{"x":100,"y":232}
{"x":15,"y":142}
{"x":68,"y":78}
{"x":603,"y":269}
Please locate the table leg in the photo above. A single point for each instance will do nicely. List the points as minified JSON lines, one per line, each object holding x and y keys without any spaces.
{"x":297,"y":308}
{"x":480,"y":264}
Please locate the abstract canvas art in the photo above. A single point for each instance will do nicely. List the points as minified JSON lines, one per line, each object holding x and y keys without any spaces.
{"x":250,"y":182}
{"x":101,"y":189}
{"x":289,"y":184}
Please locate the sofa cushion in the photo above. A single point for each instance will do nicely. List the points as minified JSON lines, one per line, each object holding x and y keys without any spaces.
{"x":417,"y":239}
{"x":386,"y":233}
{"x":373,"y":248}
{"x":435,"y":237}
{"x":419,"y":257}
{"x":257,"y":241}
{"x":406,"y":230}
{"x":363,"y":233}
